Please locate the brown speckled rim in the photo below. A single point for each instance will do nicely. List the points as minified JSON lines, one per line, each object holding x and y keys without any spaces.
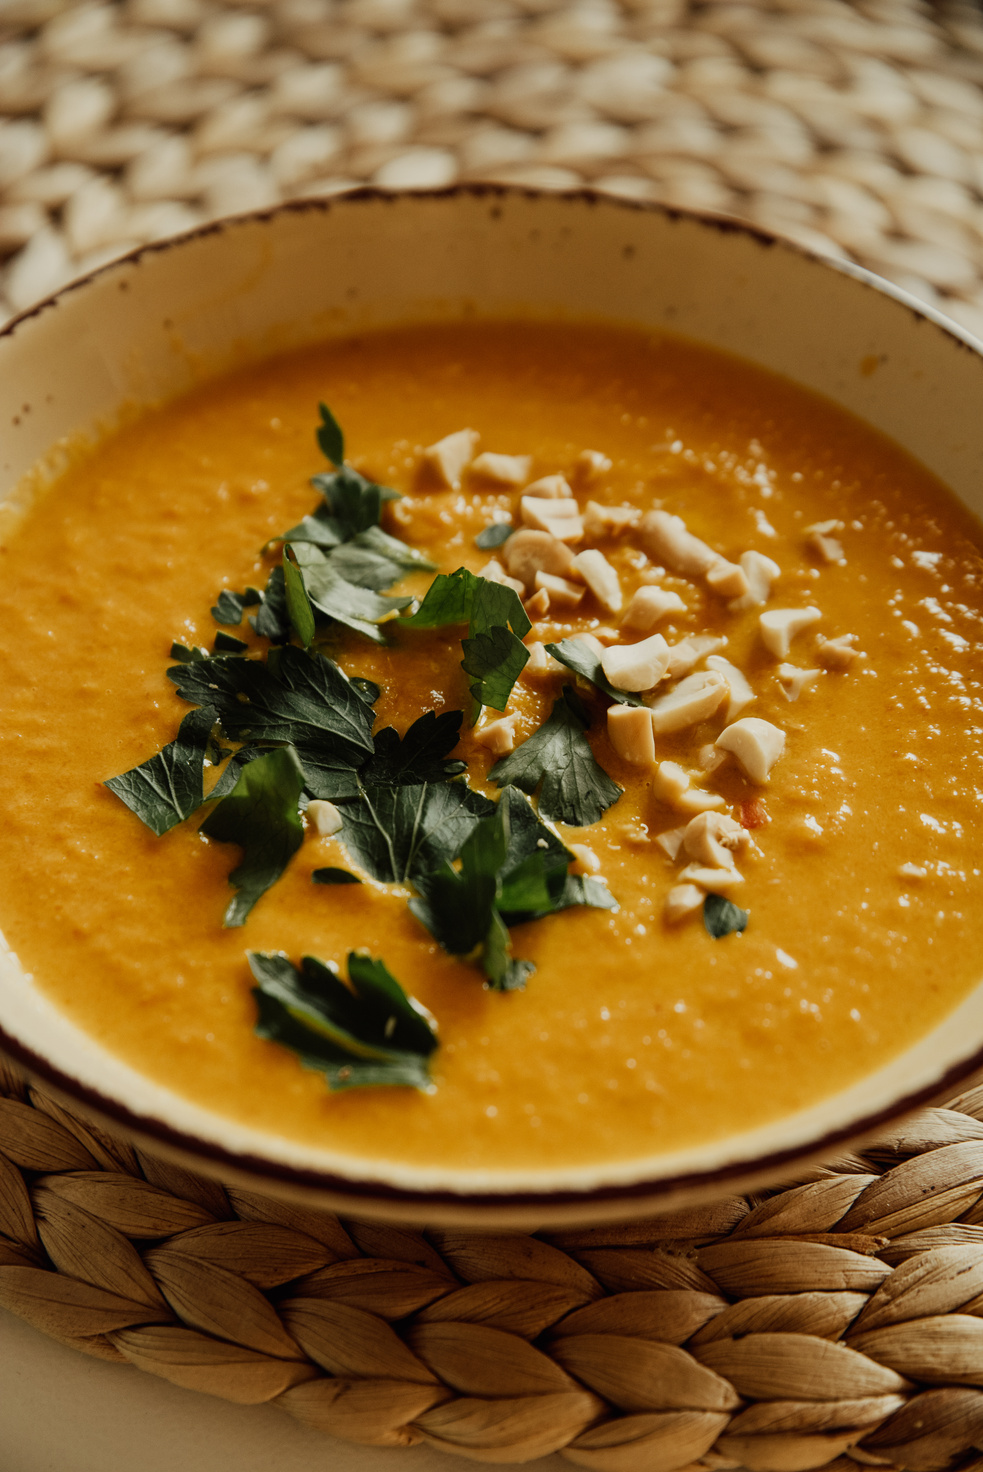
{"x":513,"y":1207}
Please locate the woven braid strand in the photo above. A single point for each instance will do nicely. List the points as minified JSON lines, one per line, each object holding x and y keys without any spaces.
{"x":834,"y":1322}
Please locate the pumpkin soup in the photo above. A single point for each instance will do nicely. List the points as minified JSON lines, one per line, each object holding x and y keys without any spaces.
{"x":639,"y":805}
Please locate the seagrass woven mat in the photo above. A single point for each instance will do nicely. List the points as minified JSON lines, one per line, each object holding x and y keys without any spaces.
{"x":855,"y":128}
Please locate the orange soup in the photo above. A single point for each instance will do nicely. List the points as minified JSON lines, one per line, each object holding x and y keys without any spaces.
{"x":639,"y":1030}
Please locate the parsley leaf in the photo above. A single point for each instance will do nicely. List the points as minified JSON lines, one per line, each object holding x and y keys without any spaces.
{"x":273,"y":620}
{"x":494,"y":534}
{"x":722,"y":917}
{"x":293,"y":697}
{"x":575,"y":788}
{"x":261,"y":815}
{"x":229,"y":644}
{"x":419,"y":755}
{"x":194,"y":655}
{"x":354,"y":503}
{"x":298,"y":603}
{"x":374,"y":559}
{"x":329,"y":437}
{"x":166,"y":789}
{"x":538,"y":861}
{"x":359,"y":608}
{"x":583,"y":660}
{"x":497,"y":623}
{"x":229,"y":606}
{"x":366,"y":1033}
{"x":396,"y":833}
{"x":333,"y":876}
{"x":230,"y":776}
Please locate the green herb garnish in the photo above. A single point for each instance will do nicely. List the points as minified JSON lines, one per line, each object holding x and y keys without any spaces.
{"x":330,"y":437}
{"x":333,"y":876}
{"x":367,"y":1032}
{"x":584,"y":661}
{"x":166,"y":789}
{"x":229,"y":644}
{"x":722,"y":917}
{"x":494,"y":654}
{"x":494,"y":535}
{"x":575,"y":788}
{"x":419,"y":756}
{"x":229,"y":606}
{"x":299,"y":609}
{"x":261,"y":815}
{"x":397,"y":833}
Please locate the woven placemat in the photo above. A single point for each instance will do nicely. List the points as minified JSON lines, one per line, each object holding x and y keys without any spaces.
{"x":855,"y":128}
{"x":836,"y":1321}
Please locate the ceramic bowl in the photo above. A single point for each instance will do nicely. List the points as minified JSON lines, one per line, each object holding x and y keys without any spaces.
{"x":151,"y":324}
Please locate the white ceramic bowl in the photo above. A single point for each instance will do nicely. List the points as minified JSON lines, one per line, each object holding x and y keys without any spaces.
{"x":149,"y":325}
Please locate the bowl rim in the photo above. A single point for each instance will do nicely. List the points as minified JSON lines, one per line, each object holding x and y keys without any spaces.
{"x":574,"y":1205}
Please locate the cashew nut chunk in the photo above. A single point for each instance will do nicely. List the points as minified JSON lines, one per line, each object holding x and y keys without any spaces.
{"x":589,"y":466}
{"x":648,"y":605}
{"x":760,"y":572}
{"x":630,"y":733}
{"x":727,"y":579}
{"x":671,"y":785}
{"x":538,"y":606}
{"x":504,"y":470}
{"x":585,"y":860}
{"x":601,"y":578}
{"x":756,"y":744}
{"x":607,"y":521}
{"x":821,"y":538}
{"x":694,"y":699}
{"x":324,"y":817}
{"x":670,"y":842}
{"x":779,"y":627}
{"x":560,"y":518}
{"x":687,"y":654}
{"x":560,"y":590}
{"x":638,"y":666}
{"x":837,"y":654}
{"x":498,"y":736}
{"x":794,"y":680}
{"x":495,"y":573}
{"x":528,"y":552}
{"x":716,"y":881}
{"x":739,"y":692}
{"x":550,"y":488}
{"x":681,"y":901}
{"x":540,"y":663}
{"x":665,"y":536}
{"x":451,"y":456}
{"x":713,"y":839}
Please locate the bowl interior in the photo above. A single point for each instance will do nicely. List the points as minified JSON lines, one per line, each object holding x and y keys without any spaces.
{"x":146,"y":328}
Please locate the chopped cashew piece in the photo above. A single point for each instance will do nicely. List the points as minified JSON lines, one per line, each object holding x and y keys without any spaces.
{"x":559,"y":590}
{"x":585,"y":860}
{"x":665,"y":536}
{"x":636,"y":666}
{"x":757,"y":745}
{"x":821,"y":538}
{"x":324,"y":817}
{"x":498,"y":736}
{"x":630,"y":733}
{"x":538,"y":606}
{"x":760,"y":572}
{"x":837,"y":654}
{"x":561,"y":519}
{"x":590,"y":465}
{"x":608,"y":521}
{"x":601,"y":578}
{"x":779,"y":627}
{"x":794,"y":680}
{"x":713,"y":838}
{"x":681,"y":901}
{"x":717,"y":881}
{"x":694,"y":699}
{"x":593,"y":643}
{"x":740,"y":693}
{"x":687,"y":654}
{"x":528,"y":552}
{"x":549,"y":488}
{"x":727,"y":579}
{"x":505,"y":470}
{"x":708,"y":758}
{"x":495,"y":573}
{"x":672,"y":785}
{"x":541,"y":663}
{"x":648,"y":605}
{"x":451,"y":456}
{"x":671,"y":841}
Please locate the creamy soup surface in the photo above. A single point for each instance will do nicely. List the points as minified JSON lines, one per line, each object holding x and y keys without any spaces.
{"x":634,"y":1035}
